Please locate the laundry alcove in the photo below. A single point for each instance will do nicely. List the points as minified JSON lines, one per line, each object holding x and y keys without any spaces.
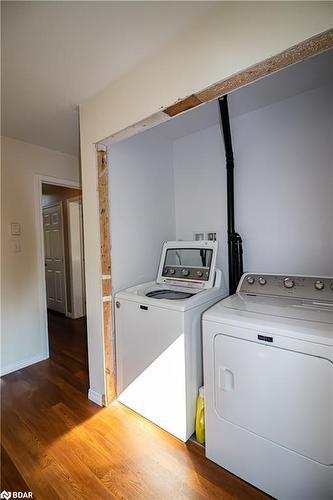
{"x":169,"y":182}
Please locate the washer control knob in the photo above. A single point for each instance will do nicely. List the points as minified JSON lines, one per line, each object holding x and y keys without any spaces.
{"x":319,"y":285}
{"x":288,"y":283}
{"x":262,"y":280}
{"x":250,"y":280}
{"x":185,"y":272}
{"x":166,"y":270}
{"x":199,"y":273}
{"x":171,"y":271}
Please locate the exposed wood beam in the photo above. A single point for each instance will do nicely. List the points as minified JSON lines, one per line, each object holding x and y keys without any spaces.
{"x":304,"y":50}
{"x":106,"y":283}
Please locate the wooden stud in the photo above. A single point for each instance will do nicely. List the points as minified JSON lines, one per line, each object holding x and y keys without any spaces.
{"x":183,"y":105}
{"x":105,"y":240}
{"x":106,"y":287}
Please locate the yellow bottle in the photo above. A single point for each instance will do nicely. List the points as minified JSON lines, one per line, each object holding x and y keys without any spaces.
{"x":200,"y":417}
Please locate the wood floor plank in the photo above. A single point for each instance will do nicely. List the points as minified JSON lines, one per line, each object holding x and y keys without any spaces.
{"x":58,"y":444}
{"x":11,"y":479}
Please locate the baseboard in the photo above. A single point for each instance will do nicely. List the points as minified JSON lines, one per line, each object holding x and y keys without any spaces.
{"x":22,"y":364}
{"x":96,"y":397}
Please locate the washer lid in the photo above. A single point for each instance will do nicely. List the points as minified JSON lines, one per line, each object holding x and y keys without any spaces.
{"x":190,"y":263}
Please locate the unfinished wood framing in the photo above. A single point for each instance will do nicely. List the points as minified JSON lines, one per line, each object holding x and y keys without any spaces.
{"x":106,"y":283}
{"x":300,"y":52}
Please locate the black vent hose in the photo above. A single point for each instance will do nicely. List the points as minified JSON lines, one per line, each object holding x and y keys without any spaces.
{"x":235,"y":245}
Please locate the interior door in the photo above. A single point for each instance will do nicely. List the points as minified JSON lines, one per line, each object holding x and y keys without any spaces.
{"x":282,"y":395}
{"x":54,"y":257}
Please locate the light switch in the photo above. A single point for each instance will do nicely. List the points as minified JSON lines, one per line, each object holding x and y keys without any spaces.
{"x":16,"y":245}
{"x":15,"y":228}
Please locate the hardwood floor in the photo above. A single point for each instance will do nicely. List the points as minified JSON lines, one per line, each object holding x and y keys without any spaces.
{"x":58,"y":444}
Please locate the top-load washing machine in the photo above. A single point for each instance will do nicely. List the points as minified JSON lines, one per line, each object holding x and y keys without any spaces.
{"x":158,"y":335}
{"x":268,"y":373}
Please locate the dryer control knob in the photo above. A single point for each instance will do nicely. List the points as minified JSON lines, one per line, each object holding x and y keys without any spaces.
{"x":166,"y":270}
{"x":288,"y":283}
{"x":185,"y":272}
{"x":199,"y":273}
{"x":250,"y":280}
{"x":262,"y":281}
{"x":172,"y":271}
{"x":319,"y":285}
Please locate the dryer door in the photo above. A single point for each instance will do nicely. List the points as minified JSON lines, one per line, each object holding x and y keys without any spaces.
{"x":278,"y":394}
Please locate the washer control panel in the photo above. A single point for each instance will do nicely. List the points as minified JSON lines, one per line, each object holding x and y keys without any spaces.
{"x":193,"y":273}
{"x":305,"y":287}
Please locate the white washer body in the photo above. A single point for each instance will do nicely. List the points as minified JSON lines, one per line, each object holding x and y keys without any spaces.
{"x":159,"y":351}
{"x":268,"y":375}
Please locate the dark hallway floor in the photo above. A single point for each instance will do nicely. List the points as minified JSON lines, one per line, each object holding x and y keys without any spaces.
{"x":68,"y":344}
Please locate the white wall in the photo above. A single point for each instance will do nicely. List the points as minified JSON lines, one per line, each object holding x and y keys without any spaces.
{"x":200,"y":188}
{"x":142,"y":207}
{"x":283,"y":184}
{"x":22,"y":331}
{"x":233,"y":37}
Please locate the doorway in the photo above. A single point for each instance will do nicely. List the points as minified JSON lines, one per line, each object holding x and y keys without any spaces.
{"x":63,"y":265}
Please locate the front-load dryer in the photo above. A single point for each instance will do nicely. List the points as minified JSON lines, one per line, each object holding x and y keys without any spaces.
{"x":158,"y":335}
{"x":268,"y":373}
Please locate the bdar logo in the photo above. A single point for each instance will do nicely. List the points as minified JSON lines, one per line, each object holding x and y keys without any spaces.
{"x":5,"y":494}
{"x":15,"y":494}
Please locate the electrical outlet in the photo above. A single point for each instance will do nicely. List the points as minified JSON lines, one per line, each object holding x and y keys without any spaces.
{"x":211,"y":236}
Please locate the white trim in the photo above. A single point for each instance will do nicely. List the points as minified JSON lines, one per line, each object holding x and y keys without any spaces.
{"x":96,"y":397}
{"x":39,"y":180}
{"x":82,"y":311}
{"x":100,"y":147}
{"x":22,"y":364}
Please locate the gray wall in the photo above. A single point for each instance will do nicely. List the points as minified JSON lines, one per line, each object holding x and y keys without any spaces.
{"x":170,"y":182}
{"x":283,"y":184}
{"x":142,"y":207}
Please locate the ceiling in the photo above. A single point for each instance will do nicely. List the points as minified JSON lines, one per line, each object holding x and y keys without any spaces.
{"x":301,"y":77}
{"x":57,"y":54}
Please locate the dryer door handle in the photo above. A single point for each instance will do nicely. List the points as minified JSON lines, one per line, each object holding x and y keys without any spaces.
{"x":226,"y":379}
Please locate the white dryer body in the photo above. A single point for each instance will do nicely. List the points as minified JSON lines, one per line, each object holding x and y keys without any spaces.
{"x":268,"y":372}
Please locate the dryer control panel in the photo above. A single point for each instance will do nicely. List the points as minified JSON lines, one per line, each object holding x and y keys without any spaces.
{"x":294,"y":286}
